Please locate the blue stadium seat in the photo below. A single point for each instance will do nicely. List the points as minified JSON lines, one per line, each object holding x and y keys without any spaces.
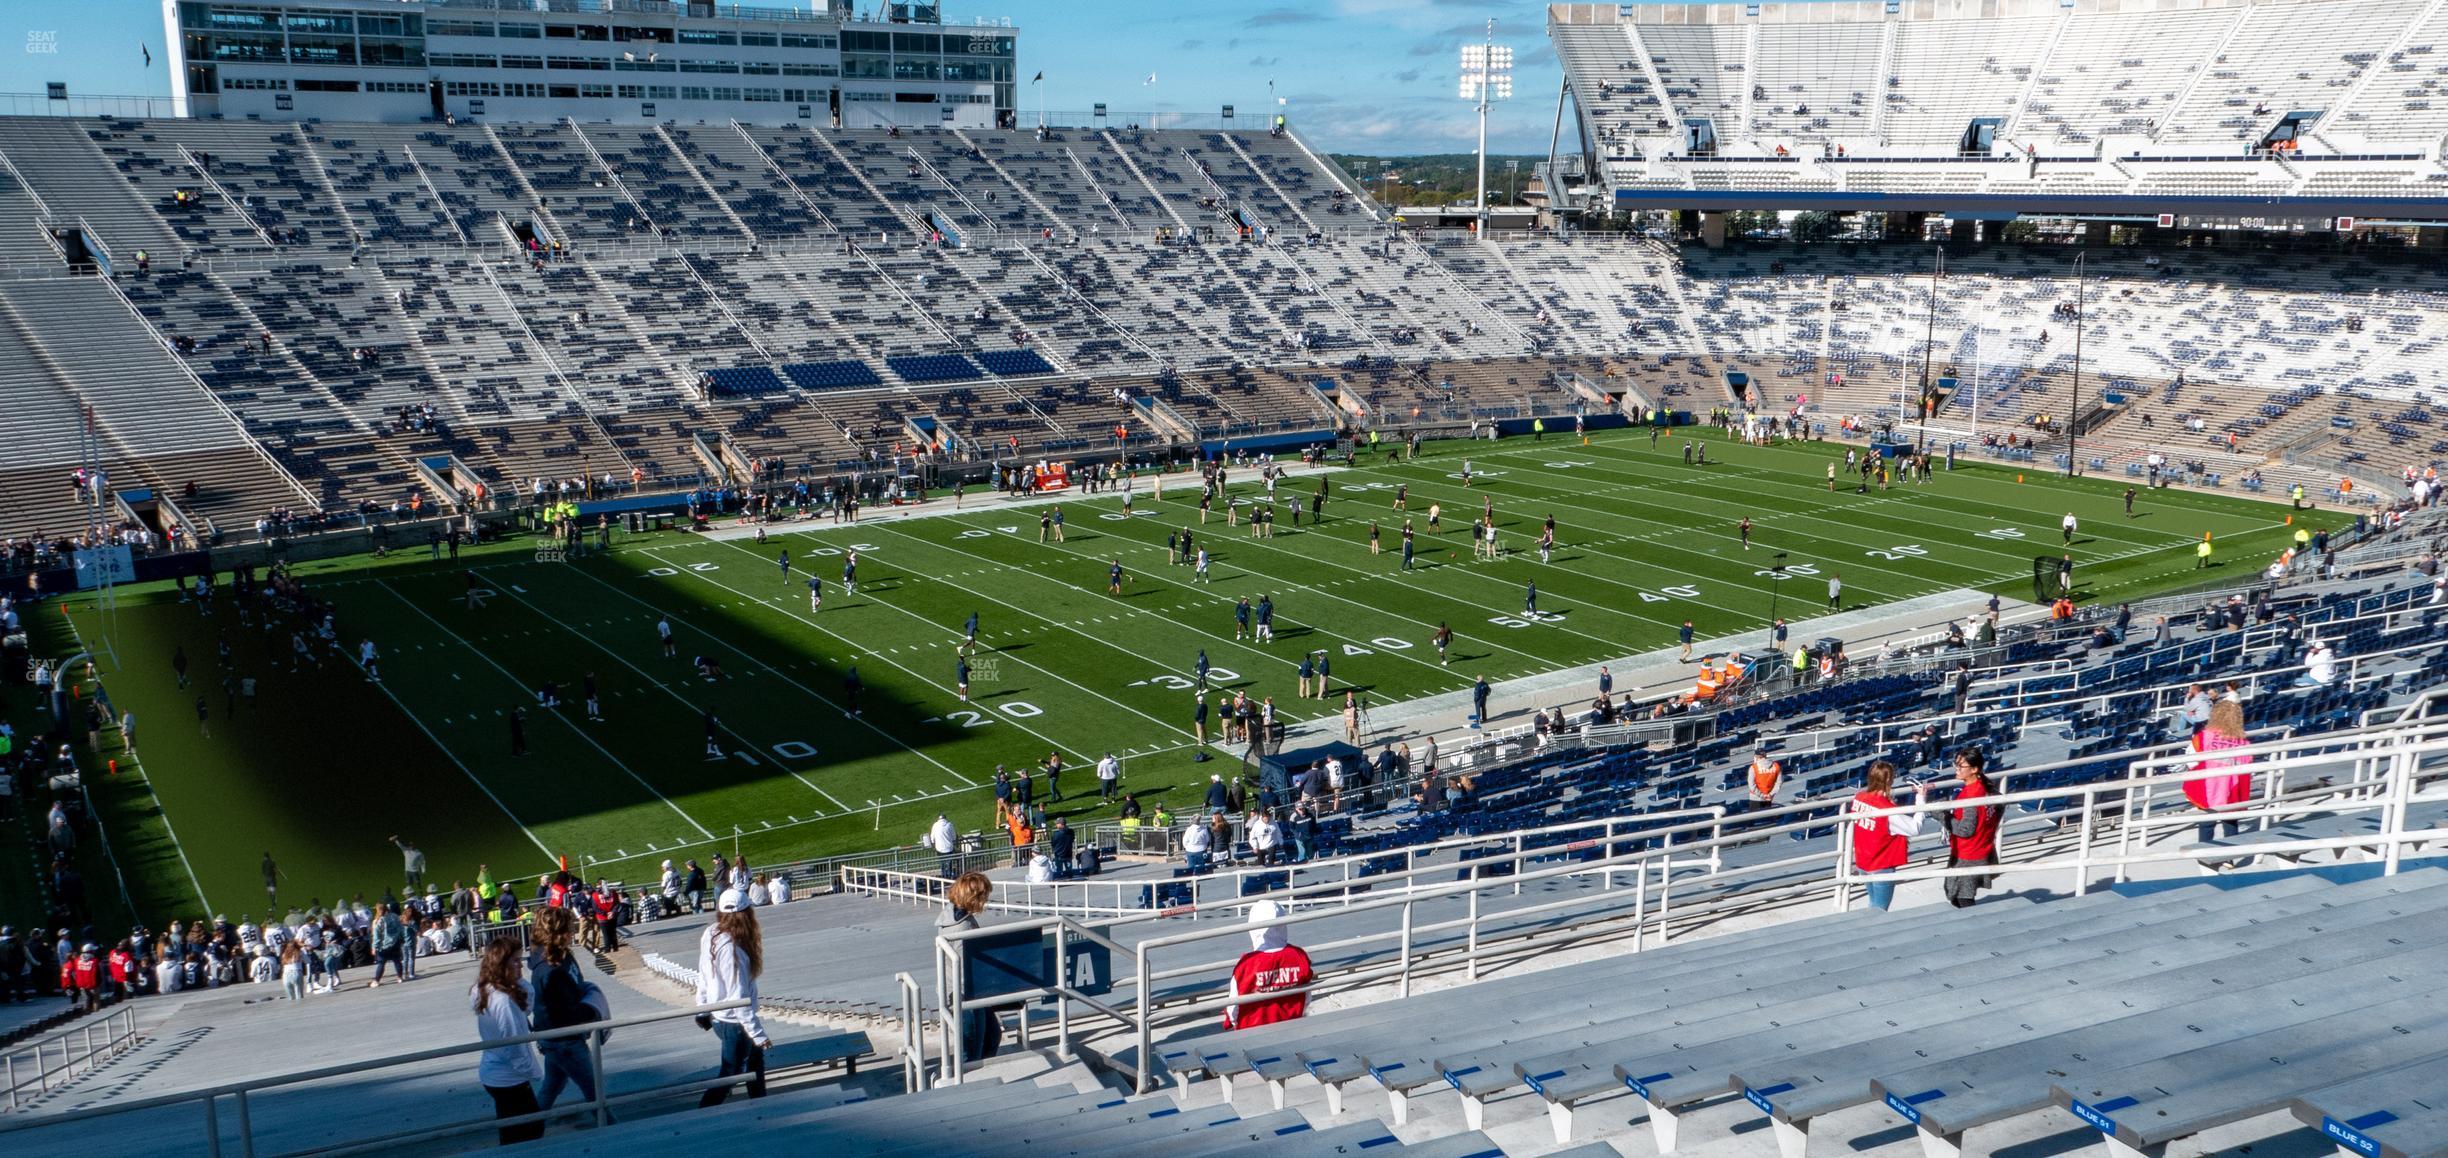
{"x":820,"y":376}
{"x":744,"y":381}
{"x":934,"y":368}
{"x":1013,"y":363}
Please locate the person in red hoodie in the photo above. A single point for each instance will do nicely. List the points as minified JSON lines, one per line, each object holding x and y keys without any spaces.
{"x":1882,"y":839}
{"x":88,"y":976}
{"x":121,"y":960}
{"x":1972,"y":829}
{"x":1273,"y":963}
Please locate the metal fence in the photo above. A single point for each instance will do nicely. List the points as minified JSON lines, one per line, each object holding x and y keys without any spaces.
{"x":33,"y":1069}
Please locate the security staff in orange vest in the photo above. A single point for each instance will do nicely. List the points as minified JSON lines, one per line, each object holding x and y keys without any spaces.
{"x":1766,"y":776}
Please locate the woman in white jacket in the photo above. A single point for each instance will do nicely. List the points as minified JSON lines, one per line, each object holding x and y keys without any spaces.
{"x":507,"y":1072}
{"x":730,"y":955}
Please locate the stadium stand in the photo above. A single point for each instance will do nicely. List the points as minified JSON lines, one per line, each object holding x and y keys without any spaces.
{"x":2216,"y":100}
{"x":1580,"y":928}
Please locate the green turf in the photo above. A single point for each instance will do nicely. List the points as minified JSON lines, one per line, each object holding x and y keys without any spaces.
{"x":325,"y":766}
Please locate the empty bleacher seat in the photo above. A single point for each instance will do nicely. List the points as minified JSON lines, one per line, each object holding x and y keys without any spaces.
{"x":743,"y":381}
{"x":934,"y":368}
{"x":831,"y":375}
{"x":1014,"y":363}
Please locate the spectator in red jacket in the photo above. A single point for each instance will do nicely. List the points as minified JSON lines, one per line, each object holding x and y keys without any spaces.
{"x":1272,"y":964}
{"x":1882,"y":839}
{"x":86,"y":971}
{"x":121,"y":960}
{"x":1972,"y":829}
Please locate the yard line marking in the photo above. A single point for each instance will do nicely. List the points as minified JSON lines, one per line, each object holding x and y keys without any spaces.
{"x":571,"y":724}
{"x":1210,"y":596}
{"x":1169,"y":727}
{"x":819,"y":791}
{"x":812,"y":693}
{"x":1951,"y":504}
{"x":794,"y":614}
{"x":138,"y":765}
{"x":624,"y":661}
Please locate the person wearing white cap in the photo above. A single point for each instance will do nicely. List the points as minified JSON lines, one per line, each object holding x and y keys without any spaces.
{"x":730,"y":955}
{"x":1196,"y":842}
{"x":671,"y":888}
{"x":1273,"y":963}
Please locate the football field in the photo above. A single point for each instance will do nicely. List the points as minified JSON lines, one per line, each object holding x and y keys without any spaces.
{"x":323,"y":766}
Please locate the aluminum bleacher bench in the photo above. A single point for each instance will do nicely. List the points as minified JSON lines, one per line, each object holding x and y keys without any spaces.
{"x":2396,"y":1113}
{"x":1675,"y":1067}
{"x":2328,"y":944}
{"x":2140,"y":1108}
{"x":1944,"y":1097}
{"x":1386,"y":1042}
{"x":844,"y":1049}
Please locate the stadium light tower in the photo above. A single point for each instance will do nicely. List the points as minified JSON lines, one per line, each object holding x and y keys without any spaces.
{"x":1487,"y":75}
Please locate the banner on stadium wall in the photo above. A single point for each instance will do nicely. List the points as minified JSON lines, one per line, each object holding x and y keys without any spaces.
{"x":1053,"y":476}
{"x":96,"y":566}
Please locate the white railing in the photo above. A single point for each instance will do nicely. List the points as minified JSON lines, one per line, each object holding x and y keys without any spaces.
{"x":2049,"y":686}
{"x":238,"y":1095}
{"x":1345,"y":879}
{"x":912,"y":1051}
{"x":31,"y":1065}
{"x":2387,"y":775}
{"x":2372,"y":770}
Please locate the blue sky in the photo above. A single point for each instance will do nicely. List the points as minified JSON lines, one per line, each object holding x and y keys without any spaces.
{"x":1366,"y":76}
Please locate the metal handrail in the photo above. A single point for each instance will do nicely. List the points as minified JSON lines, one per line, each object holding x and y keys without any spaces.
{"x":1232,"y":883}
{"x":240,"y":1091}
{"x":121,"y":1026}
{"x":913,"y":1034}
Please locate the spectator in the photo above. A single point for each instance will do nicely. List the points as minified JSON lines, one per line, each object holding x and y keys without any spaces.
{"x":607,"y":914}
{"x":1302,"y":827}
{"x":507,"y":1072}
{"x":2196,"y":710}
{"x":945,"y":843}
{"x":1264,"y":841}
{"x":1882,"y":839}
{"x":560,"y":997}
{"x":730,"y":955}
{"x":1972,"y":829}
{"x":1272,"y":965}
{"x":981,"y":1029}
{"x":2220,"y":791}
{"x":2320,"y":666}
{"x":696,"y":887}
{"x":1195,"y":846}
{"x":293,"y":974}
{"x":1059,"y":844}
{"x":390,"y":940}
{"x":1766,"y":775}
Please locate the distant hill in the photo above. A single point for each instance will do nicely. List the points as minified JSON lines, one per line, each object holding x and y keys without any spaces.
{"x":1436,"y":178}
